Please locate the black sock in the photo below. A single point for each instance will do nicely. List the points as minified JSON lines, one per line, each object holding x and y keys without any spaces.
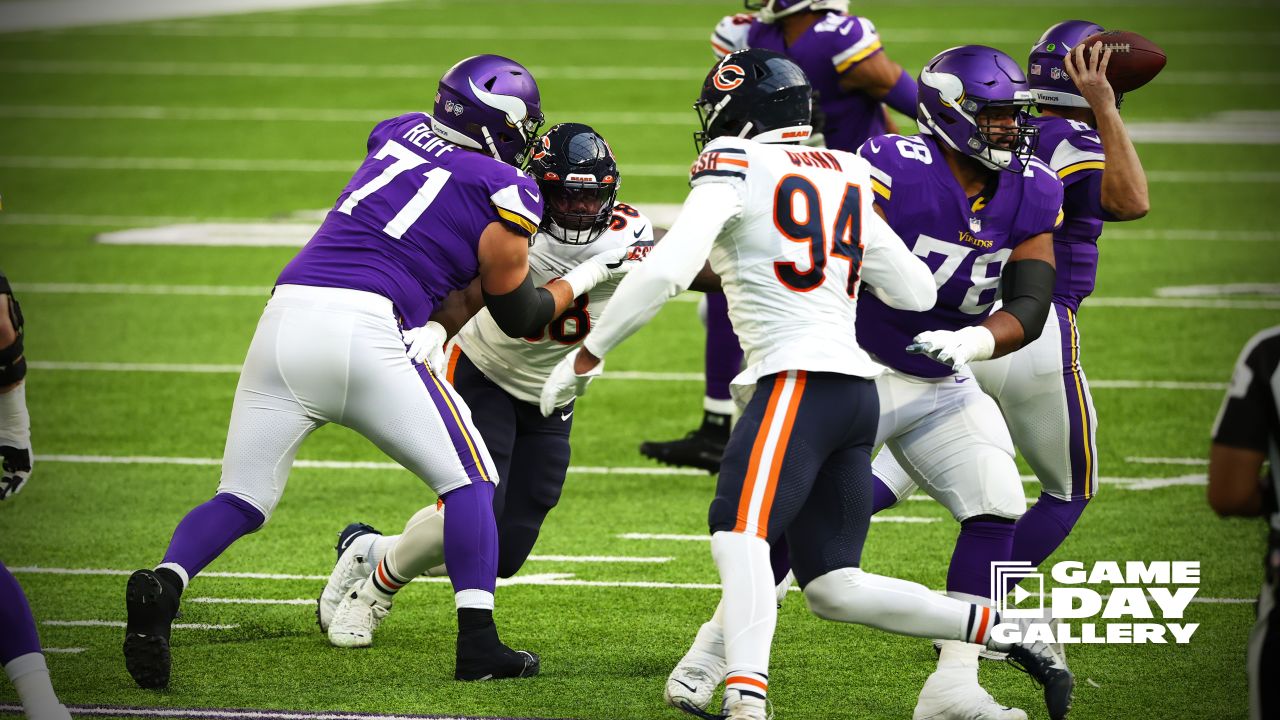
{"x":171,"y":580}
{"x":472,"y":619}
{"x":715,"y":423}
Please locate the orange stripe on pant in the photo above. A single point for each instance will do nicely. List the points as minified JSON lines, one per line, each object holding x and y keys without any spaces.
{"x":775,"y":469}
{"x":758,"y":450}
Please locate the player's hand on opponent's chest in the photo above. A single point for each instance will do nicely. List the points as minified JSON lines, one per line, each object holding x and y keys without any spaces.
{"x":426,"y":345}
{"x":955,"y":348}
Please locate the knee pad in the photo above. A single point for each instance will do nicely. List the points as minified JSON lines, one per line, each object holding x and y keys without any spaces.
{"x":828,"y":596}
{"x":13,"y":365}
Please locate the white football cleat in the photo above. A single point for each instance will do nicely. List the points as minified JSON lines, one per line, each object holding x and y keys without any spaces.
{"x":357,"y":616}
{"x":354,"y":543}
{"x":738,"y":707}
{"x":695,"y":679}
{"x":954,"y":694}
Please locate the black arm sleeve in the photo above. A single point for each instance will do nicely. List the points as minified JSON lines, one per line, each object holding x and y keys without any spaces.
{"x":523,"y":311}
{"x":1026,"y":289}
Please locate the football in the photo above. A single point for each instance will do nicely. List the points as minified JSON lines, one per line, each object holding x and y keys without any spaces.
{"x":1135,"y":60}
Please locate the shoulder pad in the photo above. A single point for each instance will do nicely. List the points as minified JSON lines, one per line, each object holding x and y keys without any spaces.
{"x":722,"y":160}
{"x":851,"y":40}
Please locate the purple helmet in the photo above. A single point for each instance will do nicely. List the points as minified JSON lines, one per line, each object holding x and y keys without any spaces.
{"x":771,"y":10}
{"x":959,"y":85}
{"x":1050,"y":84}
{"x":491,"y":104}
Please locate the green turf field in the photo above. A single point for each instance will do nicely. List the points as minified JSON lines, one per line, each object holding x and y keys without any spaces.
{"x":263,"y":116}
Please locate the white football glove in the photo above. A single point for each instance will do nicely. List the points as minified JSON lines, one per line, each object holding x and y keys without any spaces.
{"x":605,"y":265}
{"x":15,"y":469}
{"x":955,"y":348}
{"x":426,"y":345}
{"x":564,"y":384}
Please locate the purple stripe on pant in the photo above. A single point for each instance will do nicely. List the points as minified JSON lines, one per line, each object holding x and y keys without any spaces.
{"x":1079,"y":407}
{"x":465,"y":442}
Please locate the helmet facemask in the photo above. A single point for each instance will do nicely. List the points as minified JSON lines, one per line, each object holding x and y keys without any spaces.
{"x":578,"y":210}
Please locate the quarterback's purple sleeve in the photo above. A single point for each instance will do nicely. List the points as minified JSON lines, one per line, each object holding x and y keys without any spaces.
{"x":850,"y":41}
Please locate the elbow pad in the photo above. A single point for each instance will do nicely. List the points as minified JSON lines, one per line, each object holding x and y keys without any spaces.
{"x":523,"y":311}
{"x":1026,"y":289}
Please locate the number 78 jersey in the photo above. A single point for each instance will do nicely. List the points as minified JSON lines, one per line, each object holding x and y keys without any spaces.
{"x":965,"y":241}
{"x":791,"y":261}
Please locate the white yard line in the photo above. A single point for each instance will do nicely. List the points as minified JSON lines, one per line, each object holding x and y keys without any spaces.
{"x":120,"y":624}
{"x":338,"y":464}
{"x":257,"y":291}
{"x":229,"y":369}
{"x":579,"y":73}
{"x":62,"y":651}
{"x":1200,"y":291}
{"x":1196,"y":462}
{"x":693,"y":34}
{"x":23,"y":15}
{"x":113,"y":220}
{"x":1238,"y":129}
{"x":1182,"y":303}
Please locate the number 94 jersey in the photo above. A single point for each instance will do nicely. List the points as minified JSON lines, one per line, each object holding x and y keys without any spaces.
{"x":964,"y":241}
{"x":521,"y":366}
{"x":791,"y":260}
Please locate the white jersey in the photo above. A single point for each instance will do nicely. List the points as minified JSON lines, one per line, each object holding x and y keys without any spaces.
{"x":521,"y":366}
{"x":792,"y":260}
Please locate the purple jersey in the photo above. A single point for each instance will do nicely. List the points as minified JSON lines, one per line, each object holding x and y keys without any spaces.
{"x":964,"y":241}
{"x":832,"y":46}
{"x":1073,"y":150}
{"x":408,"y":224}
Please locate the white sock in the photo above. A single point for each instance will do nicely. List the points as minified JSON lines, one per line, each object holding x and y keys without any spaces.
{"x":30,"y":677}
{"x":15,"y":422}
{"x":708,"y":644}
{"x":178,"y":570}
{"x":719,"y":407}
{"x":749,"y":609}
{"x":379,"y":548}
{"x":480,"y":599}
{"x":421,"y":546}
{"x":956,"y":654}
{"x":898,"y":606}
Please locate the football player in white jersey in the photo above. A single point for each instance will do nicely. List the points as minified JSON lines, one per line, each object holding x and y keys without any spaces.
{"x":792,"y":232}
{"x":501,"y":378}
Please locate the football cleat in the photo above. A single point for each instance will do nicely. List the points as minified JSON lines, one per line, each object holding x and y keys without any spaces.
{"x":357,"y":616}
{"x":690,"y":685}
{"x":740,"y":707}
{"x":1043,"y":662}
{"x":353,"y":551}
{"x":482,"y":656}
{"x":702,"y":448}
{"x":985,"y":654}
{"x":152,"y":604}
{"x":954,"y":694}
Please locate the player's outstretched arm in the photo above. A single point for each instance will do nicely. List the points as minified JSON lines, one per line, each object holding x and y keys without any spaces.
{"x":885,"y":80}
{"x":895,"y":274}
{"x":519,"y":308}
{"x":1124,"y":182}
{"x":666,"y":272}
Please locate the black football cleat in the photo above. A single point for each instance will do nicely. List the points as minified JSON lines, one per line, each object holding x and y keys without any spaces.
{"x":1050,"y":672}
{"x":482,"y":656}
{"x":152,"y":604}
{"x":702,"y":448}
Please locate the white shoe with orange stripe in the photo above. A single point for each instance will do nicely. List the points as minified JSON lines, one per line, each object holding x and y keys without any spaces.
{"x":357,"y":616}
{"x":953,"y":693}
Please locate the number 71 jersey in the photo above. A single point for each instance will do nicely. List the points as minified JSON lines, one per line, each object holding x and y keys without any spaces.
{"x":790,"y":262}
{"x":964,"y":241}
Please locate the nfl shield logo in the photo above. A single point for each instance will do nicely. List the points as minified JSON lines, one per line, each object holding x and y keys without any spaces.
{"x":975,"y":224}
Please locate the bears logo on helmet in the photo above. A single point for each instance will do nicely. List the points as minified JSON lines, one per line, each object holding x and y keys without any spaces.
{"x":728,"y":77}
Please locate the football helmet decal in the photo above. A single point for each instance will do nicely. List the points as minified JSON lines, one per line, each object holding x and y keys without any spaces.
{"x":489,"y":103}
{"x":578,"y":175}
{"x":1050,"y":84}
{"x":972,"y":98}
{"x":756,"y":94}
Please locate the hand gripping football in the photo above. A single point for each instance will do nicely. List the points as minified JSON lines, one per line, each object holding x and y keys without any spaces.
{"x":1135,"y":60}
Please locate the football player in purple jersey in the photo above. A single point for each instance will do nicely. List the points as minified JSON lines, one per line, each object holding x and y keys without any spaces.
{"x":437,"y":207}
{"x":1042,"y":389}
{"x":20,"y":652}
{"x":853,"y":81}
{"x":989,"y":234}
